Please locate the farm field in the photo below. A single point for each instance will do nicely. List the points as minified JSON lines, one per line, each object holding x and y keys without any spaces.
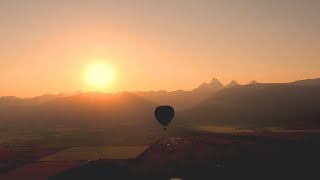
{"x":97,"y":152}
{"x":39,"y":170}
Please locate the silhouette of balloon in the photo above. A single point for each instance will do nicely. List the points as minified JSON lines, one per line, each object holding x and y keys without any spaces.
{"x":164,"y":115}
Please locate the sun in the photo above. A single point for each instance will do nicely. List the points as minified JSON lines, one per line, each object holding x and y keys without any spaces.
{"x":99,"y":75}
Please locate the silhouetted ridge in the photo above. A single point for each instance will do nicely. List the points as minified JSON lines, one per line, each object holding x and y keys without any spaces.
{"x":232,"y":84}
{"x":308,"y":82}
{"x":83,"y":110}
{"x":10,"y":100}
{"x":181,"y":99}
{"x":284,"y":105}
{"x":214,"y":84}
{"x":253,"y":82}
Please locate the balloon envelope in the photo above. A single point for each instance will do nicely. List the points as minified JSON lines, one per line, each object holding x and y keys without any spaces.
{"x":164,"y":114}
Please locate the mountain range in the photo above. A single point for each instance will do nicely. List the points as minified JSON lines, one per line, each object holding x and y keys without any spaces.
{"x":294,"y":105}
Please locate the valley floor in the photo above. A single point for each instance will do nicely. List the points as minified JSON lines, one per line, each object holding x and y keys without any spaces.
{"x":200,"y":155}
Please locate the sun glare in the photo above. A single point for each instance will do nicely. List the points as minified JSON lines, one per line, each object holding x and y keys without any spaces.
{"x":99,"y":75}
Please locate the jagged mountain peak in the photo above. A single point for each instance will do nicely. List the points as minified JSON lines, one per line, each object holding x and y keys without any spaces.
{"x":233,"y":83}
{"x":214,"y":84}
{"x":215,"y":81}
{"x":253,"y":82}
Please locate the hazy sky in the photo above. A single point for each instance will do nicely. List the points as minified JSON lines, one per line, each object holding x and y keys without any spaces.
{"x":45,"y":46}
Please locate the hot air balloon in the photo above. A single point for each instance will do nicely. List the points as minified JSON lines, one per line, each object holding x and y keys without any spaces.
{"x":164,"y":115}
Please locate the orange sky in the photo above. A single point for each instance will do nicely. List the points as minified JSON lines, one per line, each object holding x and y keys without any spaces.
{"x":45,"y":46}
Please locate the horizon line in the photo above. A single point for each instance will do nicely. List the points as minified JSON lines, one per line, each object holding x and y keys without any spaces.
{"x":137,"y":91}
